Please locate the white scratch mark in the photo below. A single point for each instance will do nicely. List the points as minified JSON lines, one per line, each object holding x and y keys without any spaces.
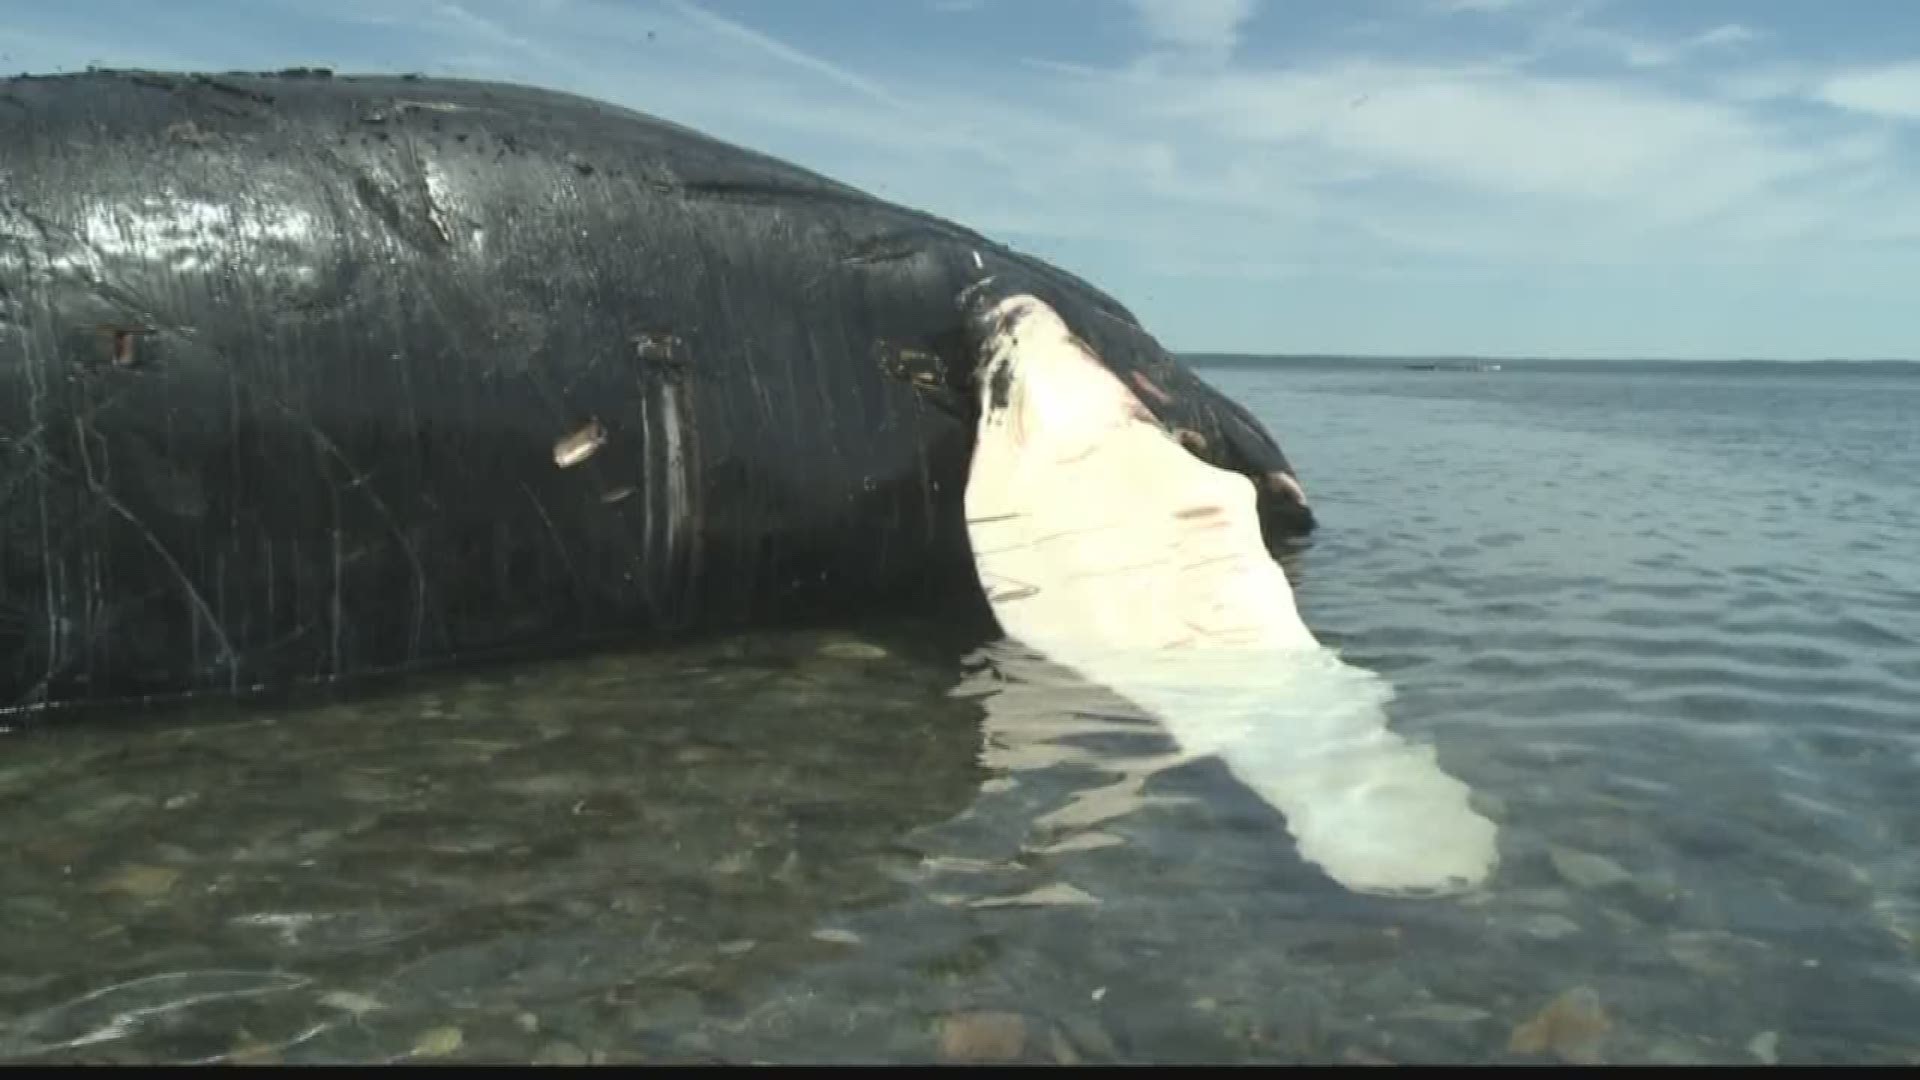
{"x":193,"y":595}
{"x":676,"y":463}
{"x":580,"y":445}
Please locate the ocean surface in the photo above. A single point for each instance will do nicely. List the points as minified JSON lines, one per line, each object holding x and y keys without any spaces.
{"x":1664,"y":619}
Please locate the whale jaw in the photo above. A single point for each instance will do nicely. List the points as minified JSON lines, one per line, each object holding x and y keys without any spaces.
{"x":1107,"y":547}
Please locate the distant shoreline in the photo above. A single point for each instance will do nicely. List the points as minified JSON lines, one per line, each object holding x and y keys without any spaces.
{"x":1490,"y":364}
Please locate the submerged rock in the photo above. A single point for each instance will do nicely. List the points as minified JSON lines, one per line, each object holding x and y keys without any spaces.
{"x":1442,"y":1012}
{"x":351,"y":1002}
{"x":1671,"y":1051}
{"x":1549,"y":926}
{"x":1057,"y":893}
{"x":979,"y":1037}
{"x":560,"y":1053}
{"x":1063,"y":1051}
{"x":253,"y":1052}
{"x":1585,"y":870}
{"x":1570,"y":1027}
{"x":852,"y":650}
{"x":142,"y":882}
{"x":1087,"y":1036}
{"x":438,"y":1042}
{"x":1708,"y":953}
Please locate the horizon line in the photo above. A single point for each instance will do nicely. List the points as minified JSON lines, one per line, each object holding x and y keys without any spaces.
{"x":1470,"y":358}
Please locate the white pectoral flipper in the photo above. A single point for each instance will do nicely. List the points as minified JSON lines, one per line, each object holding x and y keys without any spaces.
{"x":1106,"y":546}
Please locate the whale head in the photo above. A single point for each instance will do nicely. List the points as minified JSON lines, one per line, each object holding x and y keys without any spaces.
{"x":1211,"y":425}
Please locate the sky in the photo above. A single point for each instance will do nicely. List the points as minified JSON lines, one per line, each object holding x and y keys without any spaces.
{"x":1566,"y":178}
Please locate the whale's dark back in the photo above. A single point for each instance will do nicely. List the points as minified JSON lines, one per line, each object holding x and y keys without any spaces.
{"x":295,"y":370}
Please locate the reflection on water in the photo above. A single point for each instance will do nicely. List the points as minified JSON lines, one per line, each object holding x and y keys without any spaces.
{"x":1685,"y":698}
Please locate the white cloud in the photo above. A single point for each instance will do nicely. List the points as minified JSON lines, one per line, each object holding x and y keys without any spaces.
{"x":1578,"y":27}
{"x":1494,"y":132}
{"x":1726,"y":35}
{"x":1203,"y":26}
{"x":1890,"y":91}
{"x":1480,"y":7}
{"x":1639,"y":50}
{"x":1765,"y":83}
{"x":1632,"y":50}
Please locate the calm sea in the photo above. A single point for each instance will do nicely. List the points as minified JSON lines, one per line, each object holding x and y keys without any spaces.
{"x":1663,"y":619}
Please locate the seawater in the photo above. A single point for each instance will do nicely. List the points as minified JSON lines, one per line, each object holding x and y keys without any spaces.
{"x":1663,"y":619}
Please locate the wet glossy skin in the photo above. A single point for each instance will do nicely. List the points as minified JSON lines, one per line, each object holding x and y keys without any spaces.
{"x":303,"y":378}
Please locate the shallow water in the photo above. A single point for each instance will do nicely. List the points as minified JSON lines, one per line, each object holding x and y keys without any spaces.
{"x":1664,"y":621}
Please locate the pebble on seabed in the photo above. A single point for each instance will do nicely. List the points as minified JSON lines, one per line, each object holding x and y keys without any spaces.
{"x":350,"y":1002}
{"x":1571,"y":1027}
{"x":1586,"y":870}
{"x":980,"y":1037}
{"x":560,"y":1053}
{"x":142,"y":882}
{"x":1549,"y":926}
{"x":438,"y":1042}
{"x":852,"y":650}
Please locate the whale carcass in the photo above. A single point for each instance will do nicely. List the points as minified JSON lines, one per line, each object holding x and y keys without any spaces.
{"x":304,"y":378}
{"x":307,"y":378}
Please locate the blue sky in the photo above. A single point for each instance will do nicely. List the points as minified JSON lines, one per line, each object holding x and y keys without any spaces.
{"x":1709,"y":178}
